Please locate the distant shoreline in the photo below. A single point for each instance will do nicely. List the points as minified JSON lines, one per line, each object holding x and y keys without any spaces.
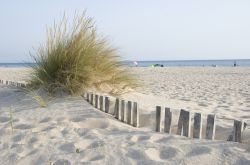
{"x":165,"y":63}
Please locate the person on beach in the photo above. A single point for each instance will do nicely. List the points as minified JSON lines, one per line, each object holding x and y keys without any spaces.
{"x":235,"y":64}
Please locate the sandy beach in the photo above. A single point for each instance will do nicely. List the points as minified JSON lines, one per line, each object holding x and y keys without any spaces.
{"x":71,"y":131}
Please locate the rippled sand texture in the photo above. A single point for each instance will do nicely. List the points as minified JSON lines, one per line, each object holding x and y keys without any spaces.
{"x":52,"y":135}
{"x":70,"y":131}
{"x":223,"y":91}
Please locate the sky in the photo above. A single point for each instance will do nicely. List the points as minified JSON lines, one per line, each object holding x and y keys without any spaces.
{"x":140,"y":30}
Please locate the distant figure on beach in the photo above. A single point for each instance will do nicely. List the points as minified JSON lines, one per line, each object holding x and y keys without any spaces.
{"x":235,"y":64}
{"x":135,"y":63}
{"x":158,"y":65}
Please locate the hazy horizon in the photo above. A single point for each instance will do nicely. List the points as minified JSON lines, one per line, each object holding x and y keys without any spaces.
{"x":141,"y":30}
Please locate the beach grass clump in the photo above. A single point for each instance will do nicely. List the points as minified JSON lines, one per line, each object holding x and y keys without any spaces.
{"x":75,"y":59}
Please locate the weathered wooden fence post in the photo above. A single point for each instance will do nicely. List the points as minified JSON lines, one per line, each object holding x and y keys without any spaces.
{"x":135,"y":115}
{"x":116,"y":109}
{"x":96,"y":101}
{"x":237,"y":131}
{"x":129,"y":109}
{"x":122,"y":110}
{"x":168,"y":120}
{"x":197,"y":131}
{"x":91,"y":98}
{"x":158,"y":119}
{"x":87,"y":97}
{"x":101,"y":103}
{"x":107,"y":104}
{"x":210,"y":129}
{"x":184,"y":123}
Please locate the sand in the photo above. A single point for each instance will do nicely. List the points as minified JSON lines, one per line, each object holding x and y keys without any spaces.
{"x":55,"y":134}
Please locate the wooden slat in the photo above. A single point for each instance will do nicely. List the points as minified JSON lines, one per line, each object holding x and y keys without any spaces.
{"x":129,"y":109}
{"x":101,"y":103}
{"x":87,"y":97}
{"x":116,"y":109}
{"x":107,"y":104}
{"x":122,"y":110}
{"x":91,"y":98}
{"x":158,"y":119}
{"x":210,"y":129}
{"x":184,"y":126}
{"x":168,"y":120}
{"x":197,"y":131}
{"x":237,"y":131}
{"x":96,"y":101}
{"x":135,"y":115}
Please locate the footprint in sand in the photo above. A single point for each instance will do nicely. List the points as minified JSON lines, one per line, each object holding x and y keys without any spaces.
{"x":136,"y":138}
{"x":45,"y":120}
{"x":17,"y":148}
{"x":78,"y":119}
{"x":153,"y":154}
{"x":143,"y":138}
{"x":96,"y":144}
{"x":48,"y":128}
{"x":4,"y":119}
{"x":41,"y":159}
{"x":32,"y":140}
{"x":13,"y":157}
{"x":168,"y":153}
{"x":163,"y":154}
{"x":23,"y":126}
{"x":17,"y":138}
{"x":62,"y":162}
{"x":32,"y":152}
{"x":96,"y":158}
{"x":81,"y":131}
{"x":68,"y":147}
{"x":4,"y":146}
{"x":136,"y":155}
{"x":165,"y":139}
{"x":199,"y":151}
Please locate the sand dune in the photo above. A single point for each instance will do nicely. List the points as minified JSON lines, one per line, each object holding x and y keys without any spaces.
{"x":55,"y":134}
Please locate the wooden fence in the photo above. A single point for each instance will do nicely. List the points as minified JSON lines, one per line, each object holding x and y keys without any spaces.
{"x":124,"y":111}
{"x":12,"y":83}
{"x":184,"y":125}
{"x":127,"y":112}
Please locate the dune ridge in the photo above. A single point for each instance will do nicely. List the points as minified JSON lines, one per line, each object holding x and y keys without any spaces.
{"x":54,"y":134}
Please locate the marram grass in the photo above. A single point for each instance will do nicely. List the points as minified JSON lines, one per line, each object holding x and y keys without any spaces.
{"x":75,"y":59}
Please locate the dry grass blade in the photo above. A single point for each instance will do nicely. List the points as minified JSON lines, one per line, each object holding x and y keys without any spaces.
{"x":39,"y":100}
{"x":11,"y":119}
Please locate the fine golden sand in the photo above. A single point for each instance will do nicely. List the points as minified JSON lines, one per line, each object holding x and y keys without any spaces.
{"x":55,"y":134}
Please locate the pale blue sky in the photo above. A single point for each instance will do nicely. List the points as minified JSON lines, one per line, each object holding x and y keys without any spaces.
{"x":140,"y":29}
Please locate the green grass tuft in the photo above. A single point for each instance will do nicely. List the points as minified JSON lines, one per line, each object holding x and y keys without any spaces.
{"x":11,"y":119}
{"x":74,"y":59}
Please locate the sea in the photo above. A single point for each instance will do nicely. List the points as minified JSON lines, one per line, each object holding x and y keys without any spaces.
{"x":167,"y":63}
{"x":191,"y":63}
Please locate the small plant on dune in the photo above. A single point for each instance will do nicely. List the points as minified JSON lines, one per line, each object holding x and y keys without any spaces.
{"x":39,"y":100}
{"x":75,"y":59}
{"x":78,"y":150}
{"x":11,"y":119}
